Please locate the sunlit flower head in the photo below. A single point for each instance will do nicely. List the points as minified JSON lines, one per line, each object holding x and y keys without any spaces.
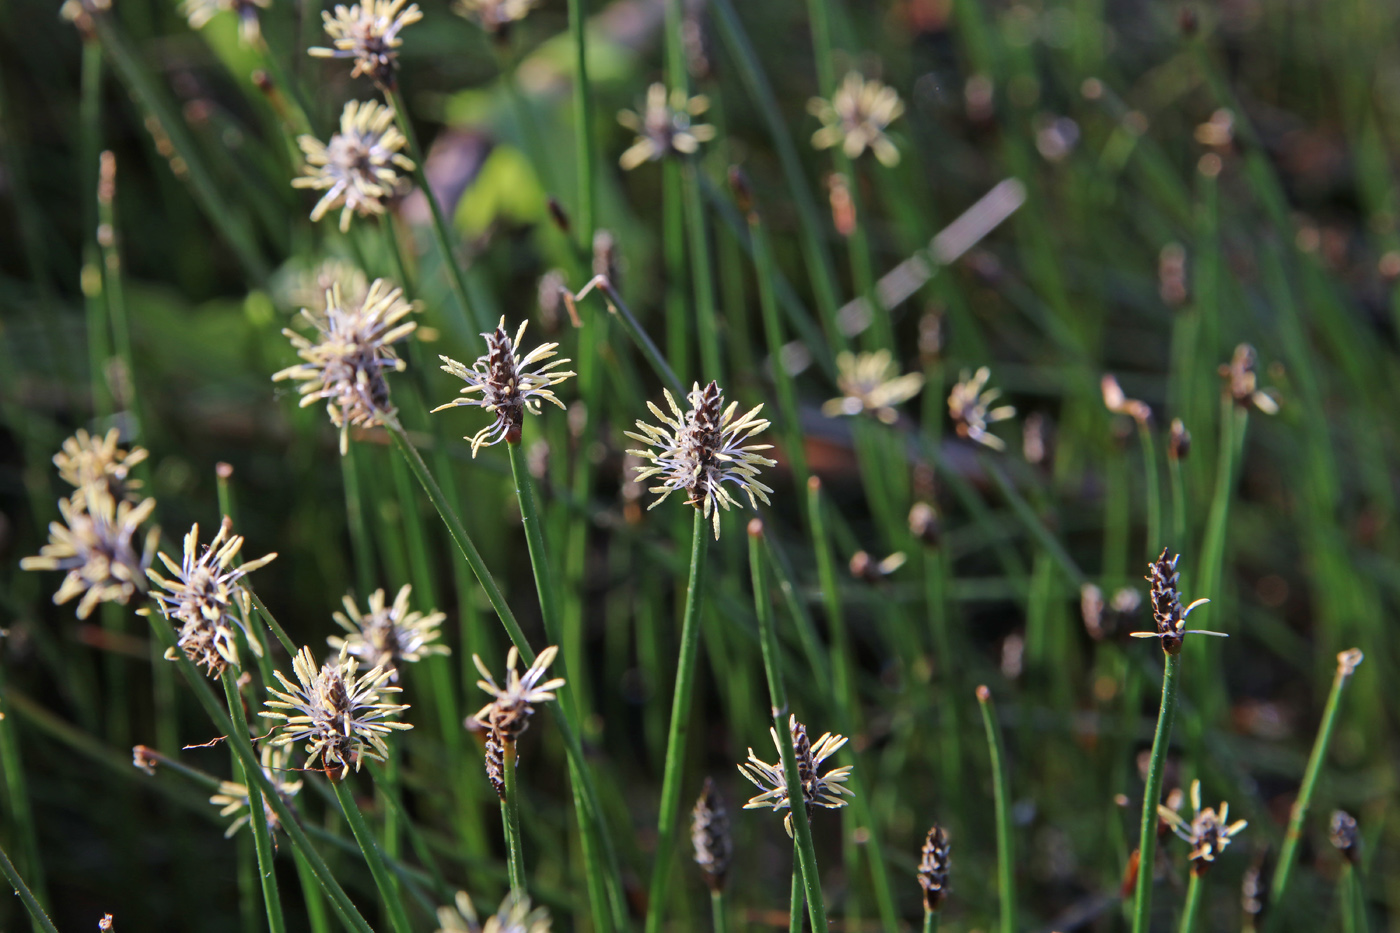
{"x":359,"y":168}
{"x":824,"y":790}
{"x":95,"y":543}
{"x":665,"y":126}
{"x":345,"y":364}
{"x":200,"y":12}
{"x":856,"y":118}
{"x":494,"y":16}
{"x":87,"y":460}
{"x":970,"y":407}
{"x":512,"y":703}
{"x":871,"y":383}
{"x":1209,"y":831}
{"x":701,"y":449}
{"x":341,"y":716}
{"x":513,"y":916}
{"x":232,"y":798}
{"x":506,"y":384}
{"x":1166,"y":605}
{"x":202,"y":595}
{"x":368,"y":32}
{"x":388,"y":636}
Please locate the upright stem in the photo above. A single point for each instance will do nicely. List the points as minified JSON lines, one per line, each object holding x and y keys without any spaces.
{"x":374,"y":858}
{"x":1154,"y":494}
{"x":41,"y":919}
{"x":1178,"y":486}
{"x":1006,"y":873}
{"x":583,"y":118}
{"x":262,"y":838}
{"x":534,"y":539}
{"x":17,"y":797}
{"x":669,"y":814}
{"x":510,"y":820}
{"x":1193,"y":903}
{"x":795,"y":899}
{"x":1147,"y":837}
{"x":931,"y":921}
{"x":719,"y":912}
{"x":701,"y":273}
{"x":1346,"y":666}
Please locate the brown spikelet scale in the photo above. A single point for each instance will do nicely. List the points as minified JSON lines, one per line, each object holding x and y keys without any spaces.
{"x":933,"y":868}
{"x":495,"y":763}
{"x":709,"y":834}
{"x":1166,"y":600}
{"x":802,"y":751}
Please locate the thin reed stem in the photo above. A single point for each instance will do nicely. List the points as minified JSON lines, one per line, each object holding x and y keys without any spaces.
{"x":20,"y":814}
{"x":795,"y":901}
{"x":311,"y":893}
{"x":1152,"y":793}
{"x":262,"y":838}
{"x":36,"y":912}
{"x":634,"y":330}
{"x":583,"y":129}
{"x":1193,"y":903}
{"x":1178,"y":487}
{"x":356,"y":520}
{"x":1154,"y":493}
{"x":1283,"y":874}
{"x":706,"y":323}
{"x":534,"y":539}
{"x":1006,"y":858}
{"x":510,"y":821}
{"x":804,"y":852}
{"x":668,"y":815}
{"x":790,"y":425}
{"x":719,"y":912}
{"x":1353,"y":897}
{"x":374,"y":857}
{"x":931,"y":921}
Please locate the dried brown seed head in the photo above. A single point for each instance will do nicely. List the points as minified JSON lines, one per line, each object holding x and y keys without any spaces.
{"x":933,"y":868}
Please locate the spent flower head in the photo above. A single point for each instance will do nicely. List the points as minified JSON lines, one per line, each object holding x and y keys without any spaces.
{"x":200,"y":12}
{"x":701,"y":449}
{"x":665,"y":126}
{"x":1242,"y":382}
{"x":87,"y":459}
{"x":95,"y":544}
{"x":368,"y":32}
{"x":202,"y":594}
{"x":856,"y":118}
{"x":1209,"y":831}
{"x":871,"y":382}
{"x":359,"y":169}
{"x":387,"y":636}
{"x":494,"y":16}
{"x":709,"y":834}
{"x":513,"y":916}
{"x":933,"y":868}
{"x":970,"y":407}
{"x":345,"y":364}
{"x":1117,"y":402}
{"x":512,"y":704}
{"x":232,"y":798}
{"x":818,"y":789}
{"x":341,"y":716}
{"x":507,"y":385}
{"x":1166,"y":605}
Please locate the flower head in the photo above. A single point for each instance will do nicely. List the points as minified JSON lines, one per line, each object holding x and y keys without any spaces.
{"x":494,"y":16}
{"x":709,"y":834}
{"x":341,"y":716}
{"x":359,"y":168}
{"x":508,"y":386}
{"x":200,"y":12}
{"x":89,"y":460}
{"x":856,"y":117}
{"x":368,"y":32}
{"x":202,"y":596}
{"x":387,"y":636}
{"x":664,"y":126}
{"x":1166,"y":605}
{"x":232,"y":797}
{"x":1345,"y":835}
{"x":1208,"y":832}
{"x":509,"y":712}
{"x":345,"y":365}
{"x":969,"y":405}
{"x":702,"y":449}
{"x":933,"y":868}
{"x":513,"y":916}
{"x":1117,"y":402}
{"x":818,"y":789}
{"x":870,"y":382}
{"x":1242,"y":382}
{"x":307,"y":287}
{"x":94,"y":543}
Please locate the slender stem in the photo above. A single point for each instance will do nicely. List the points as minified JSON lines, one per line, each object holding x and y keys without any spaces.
{"x":534,"y":539}
{"x":806,"y":856}
{"x":311,"y":894}
{"x":17,"y":797}
{"x":510,"y":821}
{"x":1154,"y":494}
{"x":272,"y":623}
{"x":374,"y":858}
{"x":795,"y":901}
{"x":1346,"y":666}
{"x":669,"y":814}
{"x":583,"y":129}
{"x":1178,"y":487}
{"x":701,"y":272}
{"x":773,"y":333}
{"x":355,"y":518}
{"x":719,"y":912}
{"x":842,"y":681}
{"x":41,"y":919}
{"x":931,"y":921}
{"x":262,"y":839}
{"x":634,"y":330}
{"x":1193,"y":903}
{"x":1031,"y":521}
{"x":1006,"y":874}
{"x":1156,"y":767}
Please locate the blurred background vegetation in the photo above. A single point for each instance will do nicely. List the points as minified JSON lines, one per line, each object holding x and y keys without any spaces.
{"x":1195,"y":177}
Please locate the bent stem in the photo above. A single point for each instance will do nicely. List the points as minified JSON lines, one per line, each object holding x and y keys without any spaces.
{"x":41,"y":919}
{"x":669,"y":814}
{"x":1006,"y":879}
{"x":1147,"y":837}
{"x":257,"y":817}
{"x":374,"y":858}
{"x":1193,"y":903}
{"x":806,"y":856}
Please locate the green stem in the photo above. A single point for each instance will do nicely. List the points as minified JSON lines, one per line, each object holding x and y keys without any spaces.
{"x":701,"y":273}
{"x":669,"y":814}
{"x":510,"y":821}
{"x":931,"y":921}
{"x":1178,"y":487}
{"x":534,"y":539}
{"x":719,"y":912}
{"x":17,"y":796}
{"x":634,"y":330}
{"x":583,"y":130}
{"x":273,"y":624}
{"x":262,"y":838}
{"x":1154,"y":494}
{"x":311,"y":894}
{"x":806,"y":856}
{"x":773,"y":333}
{"x":1346,"y":666}
{"x":374,"y":858}
{"x":843,"y":683}
{"x":41,"y":919}
{"x":795,"y":901}
{"x":1152,"y":793}
{"x":1193,"y":903}
{"x":1006,"y":875}
{"x":355,"y":518}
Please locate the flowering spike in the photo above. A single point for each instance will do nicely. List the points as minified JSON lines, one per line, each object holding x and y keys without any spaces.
{"x":1166,"y":605}
{"x":368,"y":32}
{"x":359,"y":168}
{"x":856,"y":118}
{"x":933,"y":868}
{"x":387,"y":636}
{"x":665,"y":126}
{"x":818,"y":789}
